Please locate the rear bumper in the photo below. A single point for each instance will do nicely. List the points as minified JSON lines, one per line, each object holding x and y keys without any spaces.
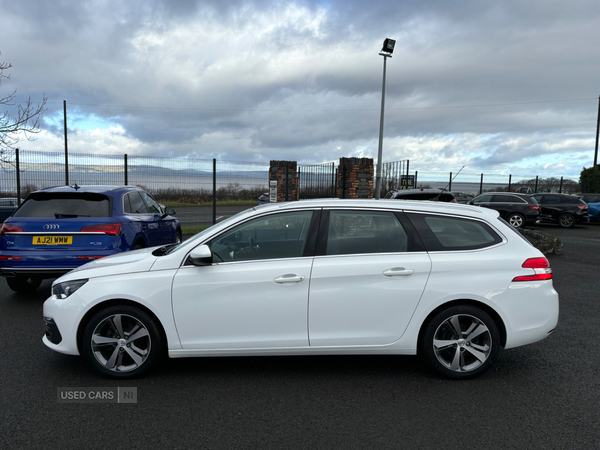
{"x":41,"y":264}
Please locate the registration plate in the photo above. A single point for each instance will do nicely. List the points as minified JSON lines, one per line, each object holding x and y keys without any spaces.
{"x":52,"y":240}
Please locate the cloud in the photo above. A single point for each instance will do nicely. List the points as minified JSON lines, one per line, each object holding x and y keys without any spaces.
{"x":470,"y":83}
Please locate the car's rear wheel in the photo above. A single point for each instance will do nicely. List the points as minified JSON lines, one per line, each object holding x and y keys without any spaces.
{"x":566,"y":220}
{"x":516,"y":220}
{"x":23,"y":284}
{"x":461,"y":342}
{"x":178,"y":237}
{"x":122,"y":341}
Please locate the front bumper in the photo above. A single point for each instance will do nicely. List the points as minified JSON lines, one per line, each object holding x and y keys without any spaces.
{"x":64,"y":317}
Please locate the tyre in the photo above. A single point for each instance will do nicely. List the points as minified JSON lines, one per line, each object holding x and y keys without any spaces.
{"x":23,"y":284}
{"x":566,"y":220}
{"x":178,"y":237}
{"x":516,"y":220}
{"x":461,"y":342}
{"x":122,"y":342}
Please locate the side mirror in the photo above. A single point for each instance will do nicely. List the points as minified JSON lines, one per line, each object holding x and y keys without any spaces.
{"x":170,"y":211}
{"x":470,"y":202}
{"x":201,"y":256}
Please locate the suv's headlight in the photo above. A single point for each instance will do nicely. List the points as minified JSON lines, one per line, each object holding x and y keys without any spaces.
{"x":63,"y":290}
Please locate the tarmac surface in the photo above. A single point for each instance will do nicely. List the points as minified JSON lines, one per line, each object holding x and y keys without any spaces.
{"x":545,"y":395}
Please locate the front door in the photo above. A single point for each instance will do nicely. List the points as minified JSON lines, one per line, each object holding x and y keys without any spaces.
{"x":255,"y":294}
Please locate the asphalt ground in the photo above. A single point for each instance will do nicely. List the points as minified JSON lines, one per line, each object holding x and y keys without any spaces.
{"x":545,"y":395}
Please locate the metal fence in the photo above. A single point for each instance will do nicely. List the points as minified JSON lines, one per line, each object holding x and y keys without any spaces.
{"x":204,"y":191}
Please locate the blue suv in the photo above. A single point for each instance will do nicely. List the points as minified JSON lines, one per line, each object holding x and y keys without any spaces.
{"x":58,"y":229}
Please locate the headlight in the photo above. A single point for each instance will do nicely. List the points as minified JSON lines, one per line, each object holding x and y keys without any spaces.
{"x":63,"y":290}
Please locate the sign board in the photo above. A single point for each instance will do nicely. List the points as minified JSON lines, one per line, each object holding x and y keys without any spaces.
{"x":273,"y":191}
{"x":407,"y":181}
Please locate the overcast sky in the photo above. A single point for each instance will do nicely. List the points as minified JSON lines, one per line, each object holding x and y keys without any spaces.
{"x":498,"y":87}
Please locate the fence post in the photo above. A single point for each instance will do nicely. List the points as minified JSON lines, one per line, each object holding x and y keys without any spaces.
{"x":333,"y":178}
{"x":536,"y":184}
{"x":287,"y":180}
{"x":509,"y":182}
{"x":416,"y":178}
{"x":125,"y":168}
{"x":18,"y":176}
{"x":560,"y":187}
{"x":450,"y":183}
{"x":481,"y":185}
{"x":214,"y":211}
{"x":344,"y":181}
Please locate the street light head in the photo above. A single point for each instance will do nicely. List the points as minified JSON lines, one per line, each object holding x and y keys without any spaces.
{"x":388,"y":46}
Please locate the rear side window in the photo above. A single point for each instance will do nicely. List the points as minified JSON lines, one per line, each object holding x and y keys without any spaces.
{"x":356,"y":232}
{"x":442,"y":233}
{"x":65,"y":205}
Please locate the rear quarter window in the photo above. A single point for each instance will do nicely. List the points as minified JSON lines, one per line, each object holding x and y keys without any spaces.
{"x":65,"y":205}
{"x":443,"y":233}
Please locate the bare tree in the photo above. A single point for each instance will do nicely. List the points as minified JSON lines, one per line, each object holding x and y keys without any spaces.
{"x":21,"y":125}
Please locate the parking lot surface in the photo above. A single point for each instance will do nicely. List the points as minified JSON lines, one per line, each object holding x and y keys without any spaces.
{"x":544,"y":395}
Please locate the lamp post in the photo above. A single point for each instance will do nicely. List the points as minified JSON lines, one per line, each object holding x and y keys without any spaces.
{"x":386,"y":52}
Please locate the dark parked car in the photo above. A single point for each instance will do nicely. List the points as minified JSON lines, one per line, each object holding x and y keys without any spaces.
{"x":59,"y":229}
{"x":422,"y":194}
{"x":517,"y":209}
{"x":7,"y":207}
{"x":563,"y":209}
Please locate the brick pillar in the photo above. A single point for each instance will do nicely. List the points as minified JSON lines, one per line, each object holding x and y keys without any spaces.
{"x":355,"y":178}
{"x":277,"y":172}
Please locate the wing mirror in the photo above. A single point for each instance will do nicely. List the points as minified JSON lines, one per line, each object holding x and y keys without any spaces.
{"x":169,"y":211}
{"x":201,"y":256}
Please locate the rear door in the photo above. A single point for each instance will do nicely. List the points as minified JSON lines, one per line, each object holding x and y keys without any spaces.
{"x":366,"y":283}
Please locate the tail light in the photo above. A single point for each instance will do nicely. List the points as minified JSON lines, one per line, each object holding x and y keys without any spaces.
{"x":582,"y":207}
{"x":112,"y":229}
{"x":540,"y":266}
{"x":454,"y":200}
{"x":8,"y":228}
{"x":90,"y":257}
{"x":535,"y":208}
{"x":10,"y":258}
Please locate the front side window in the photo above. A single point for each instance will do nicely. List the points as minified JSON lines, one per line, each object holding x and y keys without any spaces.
{"x":269,"y":237}
{"x":355,"y":232}
{"x":153,"y":206}
{"x":483,"y":199}
{"x":133,"y":203}
{"x":441,"y":233}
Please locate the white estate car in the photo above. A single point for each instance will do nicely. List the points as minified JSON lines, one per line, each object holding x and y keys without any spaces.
{"x":451,"y":282}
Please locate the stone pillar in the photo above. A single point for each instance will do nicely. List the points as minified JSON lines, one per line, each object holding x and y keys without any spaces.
{"x":355,"y":178}
{"x":284,"y":173}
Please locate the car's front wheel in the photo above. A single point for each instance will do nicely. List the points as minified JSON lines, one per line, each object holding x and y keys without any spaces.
{"x":122,"y":341}
{"x":566,"y":220}
{"x":461,"y":341}
{"x":23,"y":284}
{"x":516,"y":220}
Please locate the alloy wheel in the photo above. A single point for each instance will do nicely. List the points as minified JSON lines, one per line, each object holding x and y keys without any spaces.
{"x":121,"y":343}
{"x":462,"y":343}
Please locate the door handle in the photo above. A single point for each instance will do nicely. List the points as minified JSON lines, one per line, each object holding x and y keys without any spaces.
{"x":398,"y":272}
{"x":289,"y":278}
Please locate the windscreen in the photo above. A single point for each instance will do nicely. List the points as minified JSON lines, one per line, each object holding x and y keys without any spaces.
{"x":57,"y":205}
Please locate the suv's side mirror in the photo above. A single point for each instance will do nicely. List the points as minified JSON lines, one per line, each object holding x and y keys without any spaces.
{"x":201,"y":256}
{"x":471,"y":202}
{"x":170,"y":211}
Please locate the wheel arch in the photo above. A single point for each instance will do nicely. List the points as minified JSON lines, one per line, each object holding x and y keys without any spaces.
{"x":117,"y":302}
{"x":463,"y":302}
